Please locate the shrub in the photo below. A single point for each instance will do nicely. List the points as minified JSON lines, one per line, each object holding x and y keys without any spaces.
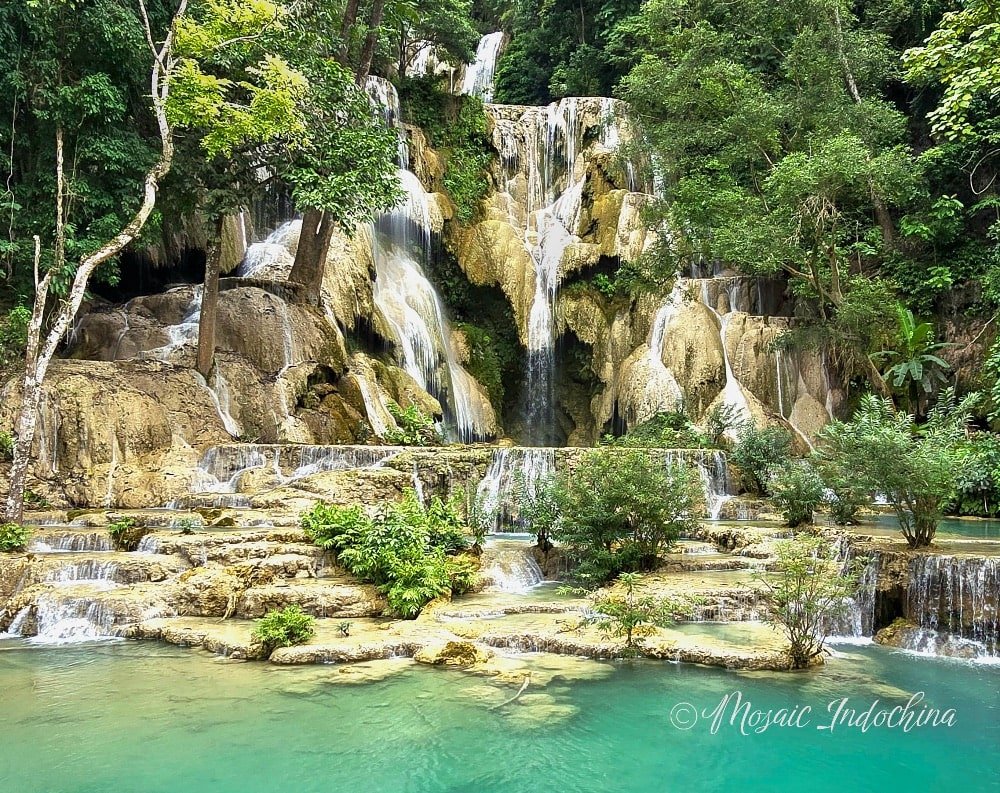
{"x":631,"y":616}
{"x":618,"y":511}
{"x":407,"y":550}
{"x":13,"y":337}
{"x":846,"y":492}
{"x":758,"y":452}
{"x":796,"y":489}
{"x":808,"y":588}
{"x":978,"y":488}
{"x":125,"y":535}
{"x":666,"y":430}
{"x":187,"y":524}
{"x":284,"y":628}
{"x":719,"y":420}
{"x":6,"y":446}
{"x":917,"y":469}
{"x":13,"y":537}
{"x":413,"y":427}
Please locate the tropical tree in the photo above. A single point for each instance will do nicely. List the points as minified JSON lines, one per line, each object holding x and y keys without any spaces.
{"x":807,"y":589}
{"x":916,"y":467}
{"x":624,"y":611}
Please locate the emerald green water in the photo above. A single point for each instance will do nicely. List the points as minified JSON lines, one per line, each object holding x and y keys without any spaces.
{"x":116,"y":718}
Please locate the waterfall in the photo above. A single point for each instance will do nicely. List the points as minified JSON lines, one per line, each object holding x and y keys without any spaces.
{"x":85,"y":571}
{"x":713,"y":473}
{"x":411,"y":306}
{"x":272,"y":251}
{"x":956,"y":595}
{"x":183,"y":333}
{"x":221,"y":467}
{"x":478,"y":79}
{"x":512,"y":473}
{"x":50,"y":542}
{"x":508,"y":566}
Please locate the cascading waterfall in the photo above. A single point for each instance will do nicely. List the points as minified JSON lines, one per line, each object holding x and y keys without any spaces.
{"x":512,"y":472}
{"x":956,"y":595}
{"x":221,"y":467}
{"x":478,"y":80}
{"x":408,"y":301}
{"x":508,"y":566}
{"x":272,"y":251}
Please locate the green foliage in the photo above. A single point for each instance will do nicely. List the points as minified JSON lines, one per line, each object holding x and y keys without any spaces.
{"x":486,"y":362}
{"x":13,"y":337}
{"x":915,"y":369}
{"x":978,"y":489}
{"x":6,"y":446}
{"x":758,"y":452}
{"x":562,"y":48}
{"x":284,"y":628}
{"x":847,"y":493}
{"x":808,"y":589}
{"x":456,"y":126}
{"x":618,"y":511}
{"x":13,"y":537}
{"x":917,"y":468}
{"x":407,"y":550}
{"x":413,"y":427}
{"x":796,"y":489}
{"x":961,"y":57}
{"x":187,"y":524}
{"x":624,"y":612}
{"x":665,"y":430}
{"x":125,"y":534}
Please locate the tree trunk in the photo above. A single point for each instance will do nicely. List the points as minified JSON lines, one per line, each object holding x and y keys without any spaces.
{"x":371,"y":39}
{"x":209,"y":303}
{"x":39,"y":355}
{"x":346,"y":29}
{"x":310,"y":258}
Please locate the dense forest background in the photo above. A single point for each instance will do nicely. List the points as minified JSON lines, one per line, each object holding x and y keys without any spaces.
{"x":852,"y":148}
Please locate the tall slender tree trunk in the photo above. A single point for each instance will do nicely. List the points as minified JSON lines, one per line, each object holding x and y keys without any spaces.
{"x":210,"y":302}
{"x":371,"y":39}
{"x":310,"y":258}
{"x":39,"y":354}
{"x":346,"y":30}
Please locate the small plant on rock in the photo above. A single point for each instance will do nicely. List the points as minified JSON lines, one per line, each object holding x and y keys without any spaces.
{"x":125,"y":535}
{"x":187,"y":524}
{"x":6,"y":446}
{"x":631,"y":615}
{"x":344,"y":628}
{"x":13,"y":537}
{"x":284,"y":628}
{"x":413,"y":427}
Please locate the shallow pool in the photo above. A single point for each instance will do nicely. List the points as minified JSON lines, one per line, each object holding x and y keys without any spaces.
{"x":141,"y":717}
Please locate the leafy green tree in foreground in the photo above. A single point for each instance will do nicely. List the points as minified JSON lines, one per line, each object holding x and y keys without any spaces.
{"x":807,"y":589}
{"x":918,"y":468}
{"x":620,"y":510}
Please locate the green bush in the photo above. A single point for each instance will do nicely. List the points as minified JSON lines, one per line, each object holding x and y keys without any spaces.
{"x":758,"y":452}
{"x":406,"y":549}
{"x":796,"y":489}
{"x":917,"y":468}
{"x":847,"y":492}
{"x":6,"y":446}
{"x":978,"y":489}
{"x":125,"y":535}
{"x":631,"y":615}
{"x":284,"y":628}
{"x":413,"y":427}
{"x":666,"y":430}
{"x":13,"y":337}
{"x":619,"y":511}
{"x":13,"y":537}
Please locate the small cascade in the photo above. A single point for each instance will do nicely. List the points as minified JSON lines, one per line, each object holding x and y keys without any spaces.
{"x":746,"y":605}
{"x":662,"y":392}
{"x":732,"y":393}
{"x":478,"y":80}
{"x":858,"y":619}
{"x":94,"y":571}
{"x":221,"y":467}
{"x":956,"y":595}
{"x":68,"y":620}
{"x":273,"y":251}
{"x":512,"y":473}
{"x":59,"y":542}
{"x":713,"y":472}
{"x":508,"y":566}
{"x":185,"y":332}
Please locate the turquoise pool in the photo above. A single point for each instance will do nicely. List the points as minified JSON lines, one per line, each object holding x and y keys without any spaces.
{"x":127,"y":717}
